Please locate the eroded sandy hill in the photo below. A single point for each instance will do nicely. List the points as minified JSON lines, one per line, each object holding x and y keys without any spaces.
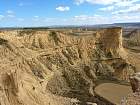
{"x":53,"y":68}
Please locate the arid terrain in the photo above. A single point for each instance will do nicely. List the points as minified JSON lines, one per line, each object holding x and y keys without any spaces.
{"x":67,"y":66}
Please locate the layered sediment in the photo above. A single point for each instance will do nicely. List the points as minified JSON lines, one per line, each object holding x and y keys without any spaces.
{"x":48,"y":67}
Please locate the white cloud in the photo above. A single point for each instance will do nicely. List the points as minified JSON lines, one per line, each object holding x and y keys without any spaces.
{"x":10,"y":12}
{"x":36,"y":18}
{"x":76,"y":20}
{"x":122,"y":7}
{"x":78,"y":2}
{"x":1,"y":17}
{"x":108,"y":2}
{"x":126,"y":3}
{"x":11,"y":16}
{"x":100,"y":19}
{"x":102,"y":2}
{"x":63,"y":8}
{"x":20,"y":19}
{"x":109,"y":8}
{"x":132,"y":9}
{"x":95,"y":19}
{"x":125,"y":18}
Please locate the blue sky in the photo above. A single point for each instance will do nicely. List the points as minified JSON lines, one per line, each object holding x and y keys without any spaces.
{"x":67,"y":12}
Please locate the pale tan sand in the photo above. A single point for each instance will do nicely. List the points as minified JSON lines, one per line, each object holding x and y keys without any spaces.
{"x":113,"y":93}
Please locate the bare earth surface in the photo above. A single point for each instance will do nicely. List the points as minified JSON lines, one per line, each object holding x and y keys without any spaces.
{"x":113,"y":93}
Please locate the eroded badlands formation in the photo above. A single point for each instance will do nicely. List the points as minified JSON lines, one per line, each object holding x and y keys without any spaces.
{"x":47,"y":67}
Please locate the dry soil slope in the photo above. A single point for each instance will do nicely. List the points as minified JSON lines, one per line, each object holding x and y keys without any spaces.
{"x":52,"y":68}
{"x":132,"y":42}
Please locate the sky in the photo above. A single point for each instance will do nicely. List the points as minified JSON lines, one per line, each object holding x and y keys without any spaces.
{"x":28,"y":13}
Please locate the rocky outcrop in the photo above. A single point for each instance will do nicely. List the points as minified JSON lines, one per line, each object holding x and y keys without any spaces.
{"x":132,"y":39}
{"x":111,"y":40}
{"x":47,"y":67}
{"x":135,"y":82}
{"x":133,"y":99}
